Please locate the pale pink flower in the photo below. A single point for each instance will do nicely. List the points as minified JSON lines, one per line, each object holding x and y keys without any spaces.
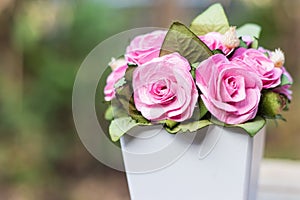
{"x":144,"y":48}
{"x":214,"y":41}
{"x":164,"y":89}
{"x":229,"y":91}
{"x":256,"y":61}
{"x":112,"y":79}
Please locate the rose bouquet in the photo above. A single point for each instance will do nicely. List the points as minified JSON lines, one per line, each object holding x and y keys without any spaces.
{"x":189,"y":78}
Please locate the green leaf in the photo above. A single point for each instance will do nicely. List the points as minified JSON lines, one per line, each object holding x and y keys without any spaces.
{"x":249,"y":29}
{"x":116,"y":110}
{"x":109,"y":113}
{"x":129,"y":72}
{"x":170,"y":123}
{"x":251,"y":127}
{"x":195,"y":65}
{"x":254,"y":44}
{"x":217,"y":51}
{"x":243,"y":44}
{"x":194,"y":126}
{"x":124,"y":91}
{"x":120,"y":83}
{"x":193,"y":73}
{"x":212,"y":20}
{"x":193,"y":70}
{"x":182,"y":40}
{"x":285,"y":80}
{"x":203,"y":109}
{"x":123,"y":95}
{"x":188,"y":127}
{"x":135,"y":114}
{"x":174,"y":130}
{"x":120,"y":126}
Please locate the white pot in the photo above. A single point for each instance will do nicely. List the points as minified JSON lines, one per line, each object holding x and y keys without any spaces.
{"x":213,"y":164}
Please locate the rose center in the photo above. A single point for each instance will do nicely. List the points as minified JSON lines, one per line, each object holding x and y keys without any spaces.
{"x":161,"y":91}
{"x":235,"y":87}
{"x":231,"y":84}
{"x":159,"y":88}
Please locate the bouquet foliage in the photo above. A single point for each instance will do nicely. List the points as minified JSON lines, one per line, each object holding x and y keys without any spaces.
{"x":188,"y":78}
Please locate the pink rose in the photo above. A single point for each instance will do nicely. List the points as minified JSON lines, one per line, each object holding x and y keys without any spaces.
{"x":144,"y":48}
{"x":230,"y":92}
{"x":285,"y":89}
{"x":164,"y":89}
{"x":259,"y":63}
{"x":214,"y":41}
{"x":117,"y":73}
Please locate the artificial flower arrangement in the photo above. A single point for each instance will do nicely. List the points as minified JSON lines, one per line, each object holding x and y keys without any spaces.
{"x":189,"y":78}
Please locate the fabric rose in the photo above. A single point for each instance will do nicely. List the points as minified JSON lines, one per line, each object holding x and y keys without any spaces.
{"x":119,"y":68}
{"x":164,"y":89}
{"x":230,"y":92}
{"x":258,"y":62}
{"x":214,"y":41}
{"x":144,"y":48}
{"x":285,"y":89}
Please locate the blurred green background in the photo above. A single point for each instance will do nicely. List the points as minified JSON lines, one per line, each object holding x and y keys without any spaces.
{"x":42,"y":46}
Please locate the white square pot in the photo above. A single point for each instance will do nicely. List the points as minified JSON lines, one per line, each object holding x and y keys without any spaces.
{"x":215,"y":163}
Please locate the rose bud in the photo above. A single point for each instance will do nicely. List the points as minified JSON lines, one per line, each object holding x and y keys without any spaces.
{"x":272,"y":104}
